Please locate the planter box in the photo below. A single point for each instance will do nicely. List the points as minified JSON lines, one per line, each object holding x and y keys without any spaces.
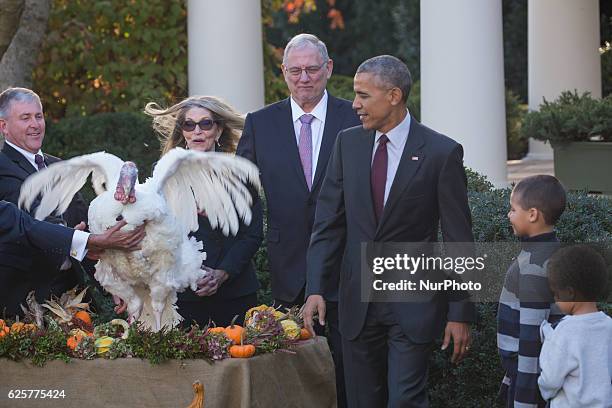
{"x":584,"y":166}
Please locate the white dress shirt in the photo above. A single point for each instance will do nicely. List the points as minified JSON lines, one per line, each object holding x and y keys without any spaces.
{"x":79,"y":238}
{"x":395,"y":147}
{"x":317,"y":126}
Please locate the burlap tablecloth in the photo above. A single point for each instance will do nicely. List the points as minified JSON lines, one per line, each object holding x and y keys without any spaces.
{"x":304,"y":379}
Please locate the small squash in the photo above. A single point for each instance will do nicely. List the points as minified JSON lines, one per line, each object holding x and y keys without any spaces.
{"x":83,"y":316}
{"x":291,"y":329}
{"x":305,"y":334}
{"x":103,"y":344}
{"x":4,"y":330}
{"x":242,"y":351}
{"x":198,"y":395}
{"x":19,"y":326}
{"x":216,"y":330}
{"x":76,"y":336}
{"x":234,"y":332}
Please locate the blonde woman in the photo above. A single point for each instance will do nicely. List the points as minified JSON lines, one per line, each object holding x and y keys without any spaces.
{"x":206,"y":123}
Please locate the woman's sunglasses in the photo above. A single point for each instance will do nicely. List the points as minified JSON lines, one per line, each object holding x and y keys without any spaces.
{"x":204,"y":124}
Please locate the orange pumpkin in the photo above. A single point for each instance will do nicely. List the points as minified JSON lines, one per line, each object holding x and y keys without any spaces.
{"x":234,"y":332}
{"x":83,"y":316}
{"x":242,"y":351}
{"x":216,"y":330}
{"x":4,"y":330}
{"x":73,"y":342}
{"x":76,"y":337}
{"x":305,"y":334}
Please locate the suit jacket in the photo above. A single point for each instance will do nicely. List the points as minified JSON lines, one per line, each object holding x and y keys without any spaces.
{"x":424,"y":192}
{"x":269,"y":141}
{"x":18,"y":227}
{"x":22,"y":270}
{"x":233,"y":254}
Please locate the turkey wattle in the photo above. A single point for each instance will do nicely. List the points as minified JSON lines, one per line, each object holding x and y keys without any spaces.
{"x":183,"y":183}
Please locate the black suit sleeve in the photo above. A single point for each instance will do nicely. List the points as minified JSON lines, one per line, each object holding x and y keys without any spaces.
{"x":329,"y":230}
{"x":246,"y":145}
{"x":247,"y":242}
{"x":17,"y":226}
{"x":456,"y":225}
{"x":9,"y":188}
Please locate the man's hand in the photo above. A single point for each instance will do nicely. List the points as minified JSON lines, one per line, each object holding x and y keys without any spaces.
{"x":314,"y":303}
{"x":460,"y":333}
{"x":120,"y":305}
{"x":113,"y":238}
{"x":210,"y":283}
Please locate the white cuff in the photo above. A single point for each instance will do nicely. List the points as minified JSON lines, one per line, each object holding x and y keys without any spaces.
{"x":79,"y":241}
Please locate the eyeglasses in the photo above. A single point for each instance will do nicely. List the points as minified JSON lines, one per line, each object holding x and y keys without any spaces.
{"x":204,"y":124}
{"x":311,"y":70}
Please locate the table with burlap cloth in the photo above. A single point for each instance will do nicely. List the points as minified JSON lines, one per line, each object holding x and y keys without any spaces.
{"x":280,"y":379}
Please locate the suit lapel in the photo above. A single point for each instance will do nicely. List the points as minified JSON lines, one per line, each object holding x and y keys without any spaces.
{"x":286,"y":141}
{"x":406,"y":170}
{"x":19,"y":160}
{"x":333,"y":122}
{"x":364,"y":167}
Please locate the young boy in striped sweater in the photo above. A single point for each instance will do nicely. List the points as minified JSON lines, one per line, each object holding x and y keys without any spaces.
{"x":536,"y":203}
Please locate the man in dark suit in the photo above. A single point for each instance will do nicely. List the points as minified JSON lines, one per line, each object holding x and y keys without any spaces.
{"x":290,"y":141}
{"x":23,"y":125}
{"x":389,"y":180}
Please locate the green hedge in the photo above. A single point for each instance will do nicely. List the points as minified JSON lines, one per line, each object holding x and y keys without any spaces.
{"x":572,"y":117}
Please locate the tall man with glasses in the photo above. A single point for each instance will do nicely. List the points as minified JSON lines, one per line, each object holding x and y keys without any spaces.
{"x":290,"y":141}
{"x":22,"y":123}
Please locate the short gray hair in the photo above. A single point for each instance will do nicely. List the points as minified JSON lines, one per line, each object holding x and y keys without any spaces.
{"x":390,"y":70}
{"x":305,"y":40}
{"x":10,"y":95}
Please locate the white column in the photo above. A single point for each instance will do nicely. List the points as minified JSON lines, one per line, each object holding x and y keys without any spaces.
{"x":563,"y":54}
{"x":462,"y":80}
{"x":225,"y":51}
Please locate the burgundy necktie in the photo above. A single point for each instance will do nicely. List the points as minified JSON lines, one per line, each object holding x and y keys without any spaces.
{"x":305,"y":147}
{"x":379,"y":176}
{"x":40,"y":161}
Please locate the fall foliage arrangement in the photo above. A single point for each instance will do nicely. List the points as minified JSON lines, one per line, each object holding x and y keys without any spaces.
{"x":61,"y":329}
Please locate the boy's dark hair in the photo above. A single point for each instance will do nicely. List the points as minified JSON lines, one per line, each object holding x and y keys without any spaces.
{"x":543,"y":192}
{"x":581,"y":268}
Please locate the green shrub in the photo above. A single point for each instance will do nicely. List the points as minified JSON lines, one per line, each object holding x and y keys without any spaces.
{"x":516,"y":143}
{"x":570,"y":118}
{"x":477,"y":182}
{"x":126,"y":135}
{"x":112,"y":56}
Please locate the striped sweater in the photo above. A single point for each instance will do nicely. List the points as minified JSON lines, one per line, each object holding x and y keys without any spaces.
{"x":525,"y":302}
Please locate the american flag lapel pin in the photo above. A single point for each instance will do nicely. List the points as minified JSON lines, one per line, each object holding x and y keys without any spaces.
{"x":414,"y":158}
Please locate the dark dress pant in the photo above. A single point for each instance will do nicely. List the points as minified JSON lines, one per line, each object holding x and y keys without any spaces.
{"x":211,"y":308}
{"x":383,"y":367}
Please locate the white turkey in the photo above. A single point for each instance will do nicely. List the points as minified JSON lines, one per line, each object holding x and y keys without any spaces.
{"x":183,"y":183}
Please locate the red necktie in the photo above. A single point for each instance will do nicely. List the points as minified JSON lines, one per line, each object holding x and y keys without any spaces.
{"x":379,"y":176}
{"x":40,"y":161}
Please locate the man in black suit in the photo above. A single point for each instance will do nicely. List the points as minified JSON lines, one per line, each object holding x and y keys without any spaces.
{"x":23,"y":125}
{"x":19,"y":227}
{"x":290,"y":141}
{"x":389,"y":180}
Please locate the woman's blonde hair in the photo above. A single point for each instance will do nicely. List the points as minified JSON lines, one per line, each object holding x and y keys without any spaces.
{"x":167,"y":122}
